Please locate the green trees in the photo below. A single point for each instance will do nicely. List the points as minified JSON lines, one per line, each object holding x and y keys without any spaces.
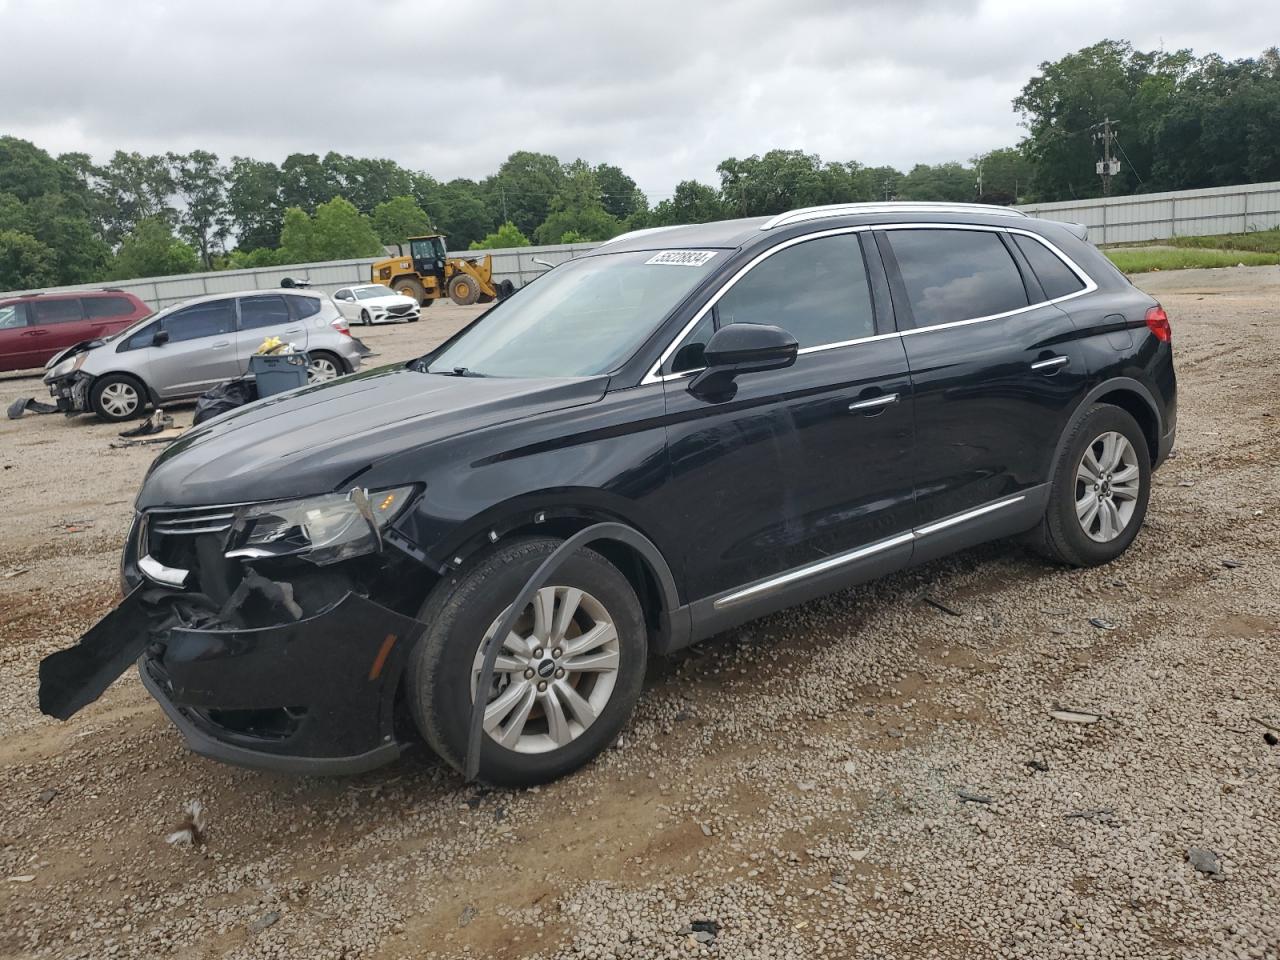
{"x":25,"y":262}
{"x":338,"y":231}
{"x":399,"y":218}
{"x":151,"y":250}
{"x":507,"y":235}
{"x":577,"y":209}
{"x":203,"y":220}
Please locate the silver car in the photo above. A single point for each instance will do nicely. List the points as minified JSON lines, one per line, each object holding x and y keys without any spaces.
{"x":184,"y":350}
{"x":375,"y":303}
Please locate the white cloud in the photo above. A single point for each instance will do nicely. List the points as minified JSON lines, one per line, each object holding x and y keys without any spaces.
{"x":663,"y":89}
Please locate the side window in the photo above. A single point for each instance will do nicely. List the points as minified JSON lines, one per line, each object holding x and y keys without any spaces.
{"x":343,"y":295}
{"x":202,"y":320}
{"x":817,"y":291}
{"x":101,"y":307}
{"x":1057,"y":279}
{"x":269,"y":310}
{"x":689,"y":356}
{"x":303,"y":307}
{"x":953,"y":275}
{"x":13,"y":315}
{"x":45,"y":312}
{"x":142,"y":338}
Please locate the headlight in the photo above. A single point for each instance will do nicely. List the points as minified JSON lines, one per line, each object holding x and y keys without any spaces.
{"x":67,"y":366}
{"x":322,"y":529}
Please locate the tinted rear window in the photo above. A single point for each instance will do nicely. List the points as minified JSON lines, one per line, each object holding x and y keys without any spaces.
{"x":1057,"y":279}
{"x":95,"y":307}
{"x":269,"y":310}
{"x":55,"y":311}
{"x":953,"y":275}
{"x":304,"y":307}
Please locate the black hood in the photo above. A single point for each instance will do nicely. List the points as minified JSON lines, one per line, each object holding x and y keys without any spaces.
{"x":312,"y":440}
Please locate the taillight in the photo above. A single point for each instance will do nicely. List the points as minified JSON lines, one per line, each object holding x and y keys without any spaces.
{"x":341,"y":326}
{"x":1158,"y":323}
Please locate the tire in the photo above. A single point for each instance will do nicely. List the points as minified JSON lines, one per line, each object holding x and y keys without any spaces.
{"x":364,"y":318}
{"x":111,"y":394}
{"x":410,"y":287}
{"x":323,"y":366}
{"x":462,"y":608}
{"x":1074,"y":533}
{"x":463,"y":289}
{"x":505,"y":289}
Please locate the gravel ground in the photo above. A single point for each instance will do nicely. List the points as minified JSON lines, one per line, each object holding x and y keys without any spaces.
{"x":864,"y":776}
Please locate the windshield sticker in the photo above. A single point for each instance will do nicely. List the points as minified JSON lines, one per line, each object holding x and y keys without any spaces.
{"x":682,"y":258}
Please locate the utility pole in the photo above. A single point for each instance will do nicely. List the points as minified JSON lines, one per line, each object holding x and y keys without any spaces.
{"x":1108,"y":166}
{"x":980,"y":162}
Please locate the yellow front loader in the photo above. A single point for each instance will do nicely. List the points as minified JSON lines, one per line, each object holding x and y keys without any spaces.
{"x":427,"y":273}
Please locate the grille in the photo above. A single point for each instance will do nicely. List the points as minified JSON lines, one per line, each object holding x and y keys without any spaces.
{"x":186,"y":523}
{"x":400,"y":310}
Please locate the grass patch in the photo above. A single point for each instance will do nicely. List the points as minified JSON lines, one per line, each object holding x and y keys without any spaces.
{"x":1142,"y":260}
{"x":1259,"y":241}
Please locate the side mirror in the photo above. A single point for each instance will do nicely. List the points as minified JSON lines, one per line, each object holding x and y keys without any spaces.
{"x":743,"y":348}
{"x":160,"y":338}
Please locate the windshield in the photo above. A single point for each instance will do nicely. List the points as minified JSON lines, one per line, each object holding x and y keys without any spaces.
{"x":369,"y":293}
{"x":583,"y":318}
{"x":429,"y":249}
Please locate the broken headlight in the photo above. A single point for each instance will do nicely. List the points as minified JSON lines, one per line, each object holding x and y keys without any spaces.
{"x":323,"y":529}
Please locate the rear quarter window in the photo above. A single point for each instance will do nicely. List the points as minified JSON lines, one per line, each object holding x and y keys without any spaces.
{"x":954,"y":275}
{"x":1056,"y":278}
{"x":303,"y":307}
{"x":107,"y":307}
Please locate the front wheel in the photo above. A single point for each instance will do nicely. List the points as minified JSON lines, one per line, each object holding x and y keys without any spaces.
{"x":566,"y":679}
{"x":1101,"y":484}
{"x":364,"y":318}
{"x":117,"y":397}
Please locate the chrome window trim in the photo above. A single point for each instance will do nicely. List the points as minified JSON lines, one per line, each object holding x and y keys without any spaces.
{"x":1090,"y":285}
{"x":773,"y":584}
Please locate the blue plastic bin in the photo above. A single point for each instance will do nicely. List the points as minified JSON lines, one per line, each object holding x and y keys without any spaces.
{"x":278,"y":373}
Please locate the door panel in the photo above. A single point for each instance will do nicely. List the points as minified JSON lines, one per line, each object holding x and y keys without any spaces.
{"x":201,"y":351}
{"x":785,"y":473}
{"x":56,"y":324}
{"x":992,"y":396}
{"x":260,"y":317}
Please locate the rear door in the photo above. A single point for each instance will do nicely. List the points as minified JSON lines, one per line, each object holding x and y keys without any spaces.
{"x":18,"y":345}
{"x":803,"y":465}
{"x":263,"y":316}
{"x":200,"y":352}
{"x":108,"y":313}
{"x":347,"y":305}
{"x":996,"y":371}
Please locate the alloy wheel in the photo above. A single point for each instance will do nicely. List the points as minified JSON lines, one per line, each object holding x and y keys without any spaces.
{"x":1108,"y":484}
{"x":555,"y":673}
{"x":120,"y":399}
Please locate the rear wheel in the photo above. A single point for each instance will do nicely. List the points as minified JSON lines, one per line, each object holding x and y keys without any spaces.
{"x":410,"y":287}
{"x":1101,"y":485}
{"x":117,"y":397}
{"x":464,"y":290}
{"x":566,"y":679}
{"x":323,"y":365}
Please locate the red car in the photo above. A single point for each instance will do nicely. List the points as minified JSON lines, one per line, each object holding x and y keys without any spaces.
{"x":35,"y":326}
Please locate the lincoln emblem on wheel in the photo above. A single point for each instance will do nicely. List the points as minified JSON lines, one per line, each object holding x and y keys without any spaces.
{"x":674,"y":433}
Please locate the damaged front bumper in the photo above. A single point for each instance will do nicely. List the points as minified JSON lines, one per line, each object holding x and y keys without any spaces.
{"x":253,"y":677}
{"x":71,"y":393}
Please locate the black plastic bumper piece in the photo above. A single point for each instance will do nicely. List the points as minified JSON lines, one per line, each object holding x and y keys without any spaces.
{"x":332,"y":678}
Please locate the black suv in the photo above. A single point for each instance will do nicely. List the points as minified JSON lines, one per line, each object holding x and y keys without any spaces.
{"x":741,"y":415}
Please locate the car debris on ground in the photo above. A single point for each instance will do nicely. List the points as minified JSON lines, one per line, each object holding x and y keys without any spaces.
{"x":29,"y":405}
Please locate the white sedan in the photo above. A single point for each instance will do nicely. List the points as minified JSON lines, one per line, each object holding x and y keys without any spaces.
{"x":374,"y":303}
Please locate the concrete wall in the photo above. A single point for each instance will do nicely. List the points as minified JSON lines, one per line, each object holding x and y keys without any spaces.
{"x":1182,"y":213}
{"x":515,"y":264}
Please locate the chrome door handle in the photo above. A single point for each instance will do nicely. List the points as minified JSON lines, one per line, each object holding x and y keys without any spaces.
{"x":1051,"y":364}
{"x":221,"y":343}
{"x":294,"y":330}
{"x":874,"y":402}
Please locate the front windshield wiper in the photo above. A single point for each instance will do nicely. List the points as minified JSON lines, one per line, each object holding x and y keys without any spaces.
{"x":457,"y":372}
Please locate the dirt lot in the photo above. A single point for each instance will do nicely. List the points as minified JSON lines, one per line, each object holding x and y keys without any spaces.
{"x":865,"y":776}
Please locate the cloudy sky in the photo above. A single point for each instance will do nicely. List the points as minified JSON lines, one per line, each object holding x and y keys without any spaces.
{"x":663,"y":89}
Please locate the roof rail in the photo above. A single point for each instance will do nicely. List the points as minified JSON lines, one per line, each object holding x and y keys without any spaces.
{"x":899,"y":206}
{"x":632,"y":234}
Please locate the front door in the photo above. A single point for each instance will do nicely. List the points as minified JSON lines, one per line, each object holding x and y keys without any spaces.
{"x":200,"y":351}
{"x":996,"y":371}
{"x":800,"y":466}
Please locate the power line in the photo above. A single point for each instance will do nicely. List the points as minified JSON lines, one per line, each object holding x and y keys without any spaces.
{"x":1125,"y":154}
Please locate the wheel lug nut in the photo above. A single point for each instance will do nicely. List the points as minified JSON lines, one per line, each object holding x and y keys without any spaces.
{"x":557,"y":652}
{"x":560,"y":674}
{"x":542,"y":685}
{"x":528,"y":673}
{"x":537,"y":654}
